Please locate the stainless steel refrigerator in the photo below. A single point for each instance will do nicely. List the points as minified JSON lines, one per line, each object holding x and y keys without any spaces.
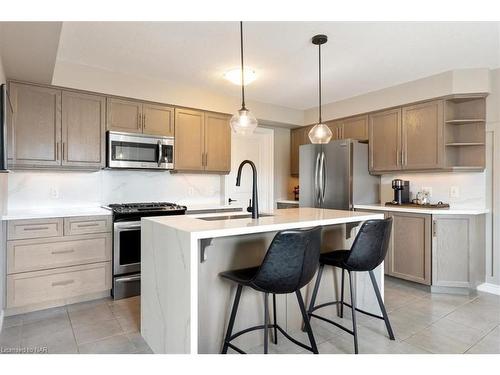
{"x":335,"y":175}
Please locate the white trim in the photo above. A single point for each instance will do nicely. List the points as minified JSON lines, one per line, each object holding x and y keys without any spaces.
{"x":489,"y":288}
{"x":2,"y":314}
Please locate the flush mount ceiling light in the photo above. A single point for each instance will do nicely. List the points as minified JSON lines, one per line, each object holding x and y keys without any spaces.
{"x":234,"y":76}
{"x":243,"y":122}
{"x":320,"y":133}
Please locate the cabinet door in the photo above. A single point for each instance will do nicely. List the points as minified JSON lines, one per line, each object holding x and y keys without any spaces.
{"x":296,"y":136}
{"x":337,"y":129}
{"x":124,"y":115}
{"x":385,"y":140}
{"x":410,"y":247}
{"x":355,"y":128}
{"x":217,"y":143}
{"x":450,"y":255}
{"x":158,"y":120}
{"x":35,"y":129}
{"x":422,"y":135}
{"x":83,"y":119}
{"x":189,"y":140}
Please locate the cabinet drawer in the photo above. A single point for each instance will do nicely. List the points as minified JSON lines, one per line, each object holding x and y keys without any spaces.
{"x":86,"y":225}
{"x":44,"y":286}
{"x":33,"y":255}
{"x":39,"y":228}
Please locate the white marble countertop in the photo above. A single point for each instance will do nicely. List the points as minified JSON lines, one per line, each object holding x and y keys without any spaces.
{"x":432,"y":211}
{"x":48,"y":212}
{"x":280,"y":220}
{"x":287,"y":201}
{"x":211,"y":207}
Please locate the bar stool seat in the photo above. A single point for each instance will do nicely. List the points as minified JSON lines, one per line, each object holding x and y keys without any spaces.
{"x":336,"y":258}
{"x":290,"y":263}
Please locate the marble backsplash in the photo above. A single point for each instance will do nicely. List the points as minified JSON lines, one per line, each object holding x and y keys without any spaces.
{"x":471,"y":187}
{"x":28,"y":189}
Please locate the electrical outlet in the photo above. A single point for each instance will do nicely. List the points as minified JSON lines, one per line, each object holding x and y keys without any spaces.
{"x":54,"y":192}
{"x":191,"y":191}
{"x":454,"y":192}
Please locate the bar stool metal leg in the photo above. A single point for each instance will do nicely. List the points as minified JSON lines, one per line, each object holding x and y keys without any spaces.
{"x":353,"y":310}
{"x":342,"y":294}
{"x":382,"y":306}
{"x":316,"y":288}
{"x":266,"y":322}
{"x":232,"y":318}
{"x":307,"y":323}
{"x":275,"y":321}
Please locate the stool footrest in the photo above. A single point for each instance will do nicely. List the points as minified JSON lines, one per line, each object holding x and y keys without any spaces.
{"x":270,"y":326}
{"x":345,"y":304}
{"x":332,"y":322}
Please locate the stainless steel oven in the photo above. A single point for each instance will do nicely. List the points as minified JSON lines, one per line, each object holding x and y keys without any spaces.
{"x":126,"y":259}
{"x":139,"y":151}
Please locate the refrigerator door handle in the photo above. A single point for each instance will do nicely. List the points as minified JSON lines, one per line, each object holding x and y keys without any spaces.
{"x":316,"y":180}
{"x":323,"y":177}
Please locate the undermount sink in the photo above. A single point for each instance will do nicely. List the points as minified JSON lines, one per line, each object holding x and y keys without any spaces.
{"x":231,"y":217}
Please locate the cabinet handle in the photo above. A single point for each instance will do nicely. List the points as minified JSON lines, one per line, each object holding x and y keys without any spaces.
{"x":206,"y":158}
{"x":63,"y":150}
{"x":35,"y":228}
{"x":434,"y":228}
{"x":144,"y":121}
{"x":55,"y":252}
{"x":139,"y":122}
{"x":87,"y":225}
{"x":57,"y":151}
{"x":63,"y":283}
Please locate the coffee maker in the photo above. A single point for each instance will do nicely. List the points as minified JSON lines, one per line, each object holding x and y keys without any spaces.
{"x":401,"y":191}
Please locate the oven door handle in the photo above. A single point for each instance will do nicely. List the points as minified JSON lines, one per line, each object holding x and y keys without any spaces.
{"x":128,"y":279}
{"x":129,"y":227}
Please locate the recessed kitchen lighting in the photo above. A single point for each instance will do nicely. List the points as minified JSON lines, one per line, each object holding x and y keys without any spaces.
{"x":234,"y":76}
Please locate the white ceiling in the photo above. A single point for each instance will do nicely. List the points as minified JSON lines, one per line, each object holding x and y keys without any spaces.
{"x":359,"y":57}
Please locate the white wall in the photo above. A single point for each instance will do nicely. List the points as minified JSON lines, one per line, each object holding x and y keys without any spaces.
{"x":3,"y":207}
{"x":94,"y":79}
{"x":456,"y":81}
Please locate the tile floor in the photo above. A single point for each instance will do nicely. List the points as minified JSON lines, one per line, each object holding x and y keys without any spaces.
{"x":423,"y":323}
{"x":101,"y":326}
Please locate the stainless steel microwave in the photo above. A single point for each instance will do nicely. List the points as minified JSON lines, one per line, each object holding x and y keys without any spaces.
{"x":139,"y":151}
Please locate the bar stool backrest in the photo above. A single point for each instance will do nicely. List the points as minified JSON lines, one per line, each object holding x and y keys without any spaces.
{"x":290,"y":262}
{"x":370,"y":246}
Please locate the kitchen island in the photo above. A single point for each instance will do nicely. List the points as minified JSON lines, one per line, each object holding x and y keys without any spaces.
{"x":185,"y":305}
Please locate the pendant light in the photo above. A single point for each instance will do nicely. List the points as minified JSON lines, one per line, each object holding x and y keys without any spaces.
{"x":320,"y":133}
{"x":243,"y":122}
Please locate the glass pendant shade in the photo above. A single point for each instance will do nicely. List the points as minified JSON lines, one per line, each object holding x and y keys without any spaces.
{"x":244,"y":122}
{"x":320,"y":134}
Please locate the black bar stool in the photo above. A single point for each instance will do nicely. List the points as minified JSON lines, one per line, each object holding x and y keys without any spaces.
{"x":290,"y":263}
{"x":367,"y":252}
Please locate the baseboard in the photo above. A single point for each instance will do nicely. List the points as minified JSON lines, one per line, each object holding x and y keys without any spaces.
{"x":2,"y":314}
{"x":489,"y":288}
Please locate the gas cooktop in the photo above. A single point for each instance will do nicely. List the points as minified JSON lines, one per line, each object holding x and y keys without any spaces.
{"x":128,"y":211}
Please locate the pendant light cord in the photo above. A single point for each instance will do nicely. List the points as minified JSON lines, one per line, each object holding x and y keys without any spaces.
{"x":319,"y":48}
{"x":242,"y":72}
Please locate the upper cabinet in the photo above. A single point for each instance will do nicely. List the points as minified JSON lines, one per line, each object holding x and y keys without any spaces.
{"x":133,"y":116}
{"x":298,"y":137}
{"x":385,"y":141}
{"x":422,"y":136}
{"x":337,"y":129}
{"x":355,"y":128}
{"x":83,"y":126}
{"x":55,"y":128}
{"x":202,"y":141}
{"x":408,"y":138}
{"x":35,"y":129}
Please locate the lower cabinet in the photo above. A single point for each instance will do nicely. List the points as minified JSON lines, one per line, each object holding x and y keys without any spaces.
{"x":54,"y":261}
{"x":409,"y":254}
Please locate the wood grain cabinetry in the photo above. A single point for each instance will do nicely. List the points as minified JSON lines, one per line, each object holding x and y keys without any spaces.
{"x":83,"y":130}
{"x":202,"y":141}
{"x":409,"y":254}
{"x":422,"y":136}
{"x":385,"y":141}
{"x":52,"y":261}
{"x":298,"y":137}
{"x":35,"y":129}
{"x":337,"y":129}
{"x":355,"y":128}
{"x":133,"y":116}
